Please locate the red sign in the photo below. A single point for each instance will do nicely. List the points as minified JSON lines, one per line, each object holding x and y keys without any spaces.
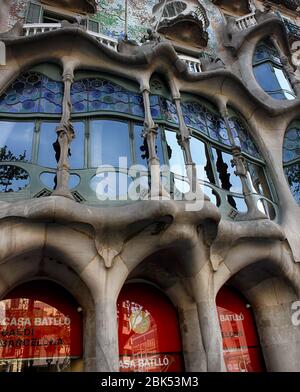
{"x":149,"y":336}
{"x":241,"y":348}
{"x":39,"y":320}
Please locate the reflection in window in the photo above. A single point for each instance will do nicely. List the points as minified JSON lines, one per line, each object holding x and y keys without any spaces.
{"x":200,"y":156}
{"x":49,"y":179}
{"x":175,"y":155}
{"x":149,"y":336}
{"x":16,"y":141}
{"x":13,"y":178}
{"x":269,"y":72}
{"x":109,"y":141}
{"x":291,"y":159}
{"x":47,"y":336}
{"x":48,"y":137}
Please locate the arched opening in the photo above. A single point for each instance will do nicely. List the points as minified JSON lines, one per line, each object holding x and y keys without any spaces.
{"x":269,"y":71}
{"x":40,"y":329}
{"x":241,"y":347}
{"x":148,"y":328}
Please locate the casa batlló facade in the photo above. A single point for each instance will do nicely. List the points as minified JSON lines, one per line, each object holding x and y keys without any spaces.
{"x":149,"y":185}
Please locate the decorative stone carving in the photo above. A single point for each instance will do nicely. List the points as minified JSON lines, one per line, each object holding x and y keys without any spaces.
{"x":187,"y":22}
{"x":236,"y":6}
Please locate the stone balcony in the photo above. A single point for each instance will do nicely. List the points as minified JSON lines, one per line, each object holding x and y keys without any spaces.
{"x":193,"y":63}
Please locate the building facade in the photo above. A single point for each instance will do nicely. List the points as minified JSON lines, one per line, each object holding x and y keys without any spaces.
{"x":150,"y":185}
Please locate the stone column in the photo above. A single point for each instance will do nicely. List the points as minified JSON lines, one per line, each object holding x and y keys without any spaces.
{"x":183,"y":138}
{"x":65,"y":135}
{"x":240,"y":165}
{"x":150,"y":135}
{"x":203,"y":293}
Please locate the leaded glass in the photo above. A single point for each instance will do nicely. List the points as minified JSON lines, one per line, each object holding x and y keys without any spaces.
{"x":32,"y":93}
{"x":242,"y":137}
{"x":292,"y":173}
{"x":194,"y":115}
{"x":92,"y":95}
{"x":291,"y":145}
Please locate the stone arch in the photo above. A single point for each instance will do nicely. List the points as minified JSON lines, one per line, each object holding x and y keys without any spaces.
{"x":271,"y":293}
{"x":39,"y":265}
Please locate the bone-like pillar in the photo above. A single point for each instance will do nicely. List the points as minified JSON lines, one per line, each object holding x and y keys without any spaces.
{"x":150,"y":134}
{"x":239,"y":163}
{"x":65,"y":135}
{"x":183,"y":138}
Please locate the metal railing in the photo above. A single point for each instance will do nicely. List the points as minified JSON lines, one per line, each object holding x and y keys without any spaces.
{"x":246,"y":21}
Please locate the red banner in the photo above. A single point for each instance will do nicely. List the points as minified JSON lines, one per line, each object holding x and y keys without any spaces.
{"x":241,"y":348}
{"x":149,"y":336}
{"x":31,"y":328}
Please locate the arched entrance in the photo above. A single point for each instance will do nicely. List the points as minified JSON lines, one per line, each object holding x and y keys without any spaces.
{"x":40,"y":329}
{"x":149,"y":335}
{"x":241,"y":347}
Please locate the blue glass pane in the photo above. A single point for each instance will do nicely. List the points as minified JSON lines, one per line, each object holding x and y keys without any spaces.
{"x":16,"y":140}
{"x":13,"y":178}
{"x":169,"y":110}
{"x":48,"y":136}
{"x":155,"y":107}
{"x":32,"y":93}
{"x":291,"y":144}
{"x":265,"y":76}
{"x":194,"y":116}
{"x":109,"y":141}
{"x":76,"y":158}
{"x":292,"y":173}
{"x":217,"y":128}
{"x":111,"y":186}
{"x":242,"y":137}
{"x":91,"y":95}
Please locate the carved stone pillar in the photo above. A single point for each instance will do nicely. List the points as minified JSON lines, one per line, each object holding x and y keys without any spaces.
{"x":65,"y":135}
{"x":240,"y":165}
{"x":150,"y":135}
{"x":183,"y":138}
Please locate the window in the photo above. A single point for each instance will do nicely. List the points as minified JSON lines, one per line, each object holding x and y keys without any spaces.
{"x":34,"y":13}
{"x":40,"y":342}
{"x":291,"y":158}
{"x":149,"y":335}
{"x":107,"y":117}
{"x":269,"y":72}
{"x":241,"y":347}
{"x":173,"y":9}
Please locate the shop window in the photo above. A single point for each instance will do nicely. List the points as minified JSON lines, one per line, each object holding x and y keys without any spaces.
{"x":241,"y":347}
{"x":149,"y":336}
{"x":291,"y":158}
{"x":40,"y":329}
{"x":269,"y":72}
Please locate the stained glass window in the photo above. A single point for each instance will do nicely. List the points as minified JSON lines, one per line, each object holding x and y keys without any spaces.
{"x":242,"y":137}
{"x":291,"y":159}
{"x":32,"y":93}
{"x":92,"y":95}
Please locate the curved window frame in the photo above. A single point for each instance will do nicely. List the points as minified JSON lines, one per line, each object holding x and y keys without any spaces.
{"x":86,"y":173}
{"x":275,"y":71}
